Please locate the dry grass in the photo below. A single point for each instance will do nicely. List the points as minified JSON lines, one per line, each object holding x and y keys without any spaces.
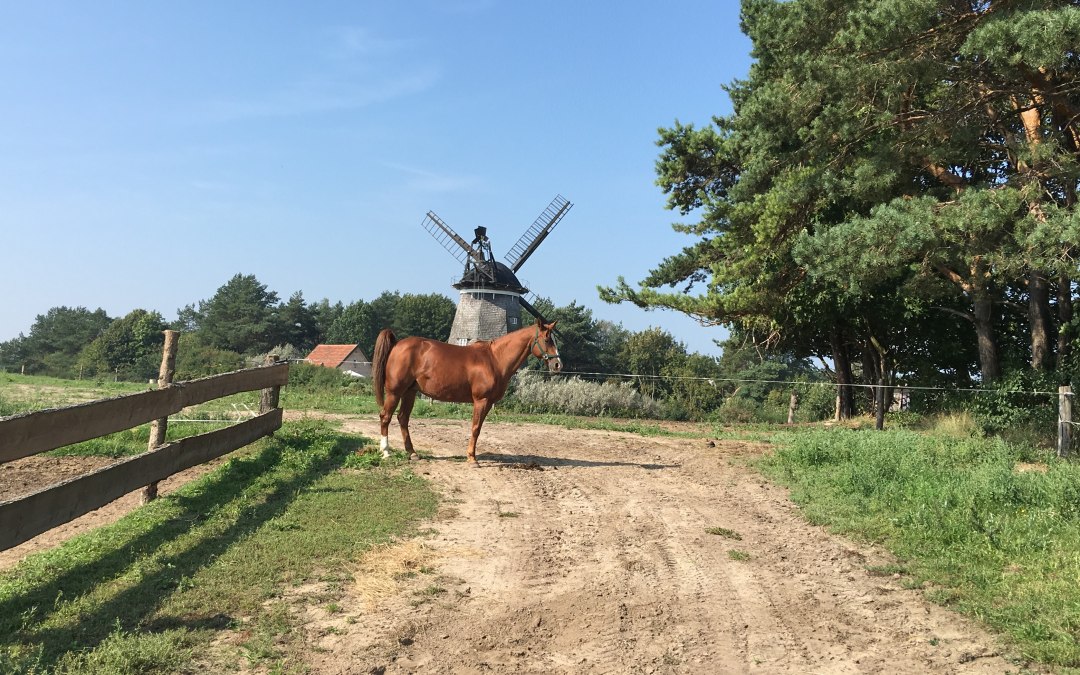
{"x":381,"y":570}
{"x":955,"y":425}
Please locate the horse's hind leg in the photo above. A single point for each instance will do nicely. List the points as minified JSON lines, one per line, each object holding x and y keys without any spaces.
{"x":407,"y":400}
{"x":386,"y":414}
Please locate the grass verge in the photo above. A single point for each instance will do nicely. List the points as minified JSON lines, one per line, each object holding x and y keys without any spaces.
{"x":149,"y":593}
{"x":988,"y":528}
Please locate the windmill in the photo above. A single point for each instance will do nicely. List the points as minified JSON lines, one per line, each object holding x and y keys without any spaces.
{"x":491,"y":295}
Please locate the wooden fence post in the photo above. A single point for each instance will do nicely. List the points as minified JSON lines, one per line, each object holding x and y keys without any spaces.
{"x":879,"y":405}
{"x":1064,"y":445}
{"x":268,"y":399}
{"x":159,"y":426}
{"x":793,"y":402}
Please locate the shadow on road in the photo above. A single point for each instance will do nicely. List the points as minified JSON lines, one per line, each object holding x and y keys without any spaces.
{"x":537,"y":462}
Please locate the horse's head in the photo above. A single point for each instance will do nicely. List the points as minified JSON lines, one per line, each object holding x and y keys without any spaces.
{"x":544,"y":347}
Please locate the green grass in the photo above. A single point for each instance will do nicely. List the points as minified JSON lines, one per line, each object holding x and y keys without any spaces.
{"x":640,"y":427}
{"x":149,"y":593}
{"x":135,"y":440}
{"x":979,"y":535}
{"x":21,"y":394}
{"x":724,"y":532}
{"x":25,"y":393}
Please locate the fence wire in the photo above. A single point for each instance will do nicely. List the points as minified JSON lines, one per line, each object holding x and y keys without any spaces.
{"x":733,"y":380}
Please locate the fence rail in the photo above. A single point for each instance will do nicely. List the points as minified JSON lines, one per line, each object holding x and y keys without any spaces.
{"x":35,"y":432}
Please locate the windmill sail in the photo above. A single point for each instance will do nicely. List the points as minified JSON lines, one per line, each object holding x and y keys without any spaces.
{"x":530,"y":308}
{"x":536,"y":233}
{"x":457,"y":246}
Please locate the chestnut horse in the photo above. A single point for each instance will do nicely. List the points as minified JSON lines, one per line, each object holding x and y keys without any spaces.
{"x":476,"y":373}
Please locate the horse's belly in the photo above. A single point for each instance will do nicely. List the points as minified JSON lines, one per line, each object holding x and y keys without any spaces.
{"x":443,"y":392}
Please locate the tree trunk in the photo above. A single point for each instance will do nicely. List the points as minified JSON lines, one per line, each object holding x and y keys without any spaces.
{"x":983,"y":318}
{"x":1039,"y":316}
{"x":870,"y":373}
{"x":844,"y":378}
{"x":978,"y":289}
{"x":883,"y":391}
{"x":1065,"y":311}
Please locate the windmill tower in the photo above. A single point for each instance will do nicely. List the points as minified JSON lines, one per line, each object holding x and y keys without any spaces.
{"x":491,"y":297}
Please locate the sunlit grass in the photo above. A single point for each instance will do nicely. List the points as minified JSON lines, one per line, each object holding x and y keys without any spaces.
{"x":149,"y":593}
{"x":988,"y":528}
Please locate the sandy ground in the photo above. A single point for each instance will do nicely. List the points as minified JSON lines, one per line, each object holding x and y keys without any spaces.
{"x":24,"y":476}
{"x":589,"y":552}
{"x":574,"y":551}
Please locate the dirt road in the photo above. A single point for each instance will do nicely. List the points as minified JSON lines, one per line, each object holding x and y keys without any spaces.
{"x":591,"y":552}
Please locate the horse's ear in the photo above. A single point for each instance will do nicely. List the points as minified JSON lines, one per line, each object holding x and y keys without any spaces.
{"x":551,"y":326}
{"x":539,"y":322}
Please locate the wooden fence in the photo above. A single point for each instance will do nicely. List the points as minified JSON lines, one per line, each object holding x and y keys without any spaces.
{"x":40,"y":431}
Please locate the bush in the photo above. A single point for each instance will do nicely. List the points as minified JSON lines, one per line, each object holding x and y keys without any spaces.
{"x":311,"y":378}
{"x":737,"y":411}
{"x":816,"y":402}
{"x":196,"y":359}
{"x":284,"y":352}
{"x":1021,"y":406}
{"x":534,"y":393}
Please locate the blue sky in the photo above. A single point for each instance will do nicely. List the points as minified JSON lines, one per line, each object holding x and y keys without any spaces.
{"x":149,"y":151}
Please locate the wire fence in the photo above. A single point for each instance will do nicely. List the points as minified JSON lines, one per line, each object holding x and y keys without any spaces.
{"x":733,"y":380}
{"x":1063,"y":395}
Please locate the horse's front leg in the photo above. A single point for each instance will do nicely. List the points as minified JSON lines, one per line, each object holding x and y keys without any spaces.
{"x":407,"y":401}
{"x":480,"y":410}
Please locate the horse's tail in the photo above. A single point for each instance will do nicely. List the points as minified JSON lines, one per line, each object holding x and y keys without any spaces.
{"x":383,"y":344}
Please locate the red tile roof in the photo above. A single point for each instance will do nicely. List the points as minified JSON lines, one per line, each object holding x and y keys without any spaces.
{"x":330,"y":356}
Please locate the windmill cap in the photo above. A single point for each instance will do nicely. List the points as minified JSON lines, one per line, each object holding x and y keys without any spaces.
{"x":505,"y":280}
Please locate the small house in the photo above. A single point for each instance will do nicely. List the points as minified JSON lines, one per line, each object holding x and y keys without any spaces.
{"x":349,"y":359}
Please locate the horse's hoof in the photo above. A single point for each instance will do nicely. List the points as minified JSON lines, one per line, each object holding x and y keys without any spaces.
{"x":473,"y":464}
{"x":414,"y":457}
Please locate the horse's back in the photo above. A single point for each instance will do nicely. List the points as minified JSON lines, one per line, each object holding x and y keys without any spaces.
{"x":443,"y":371}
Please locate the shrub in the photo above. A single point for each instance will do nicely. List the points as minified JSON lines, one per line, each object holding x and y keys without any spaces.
{"x":816,"y":402}
{"x":284,"y":352}
{"x":737,"y":411}
{"x":1018,"y":407}
{"x":312,"y":378}
{"x":534,"y":393}
{"x":195,"y":359}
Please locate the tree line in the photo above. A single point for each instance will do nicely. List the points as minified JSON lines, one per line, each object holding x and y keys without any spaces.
{"x":894,"y":192}
{"x":244,"y":320}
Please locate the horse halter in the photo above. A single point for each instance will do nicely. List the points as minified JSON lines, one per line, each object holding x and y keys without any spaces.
{"x":544,"y":356}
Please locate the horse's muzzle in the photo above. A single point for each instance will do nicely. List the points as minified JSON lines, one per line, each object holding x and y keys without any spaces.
{"x":554,"y":365}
